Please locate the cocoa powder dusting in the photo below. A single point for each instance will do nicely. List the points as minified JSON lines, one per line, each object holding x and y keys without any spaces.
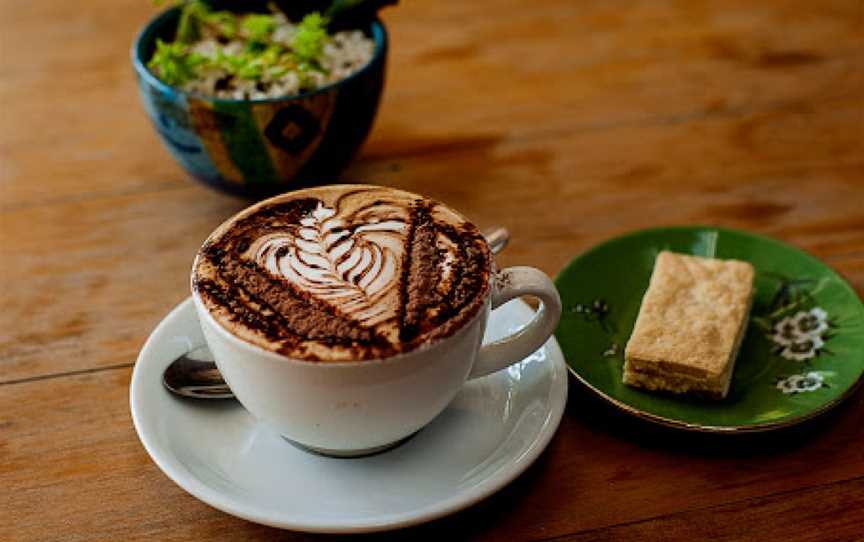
{"x":301,"y":317}
{"x":421,"y":274}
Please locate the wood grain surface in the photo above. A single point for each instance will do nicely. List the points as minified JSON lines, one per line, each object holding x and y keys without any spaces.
{"x":568,"y":122}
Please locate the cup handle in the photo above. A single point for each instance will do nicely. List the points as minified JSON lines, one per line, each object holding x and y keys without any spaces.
{"x":514,"y":282}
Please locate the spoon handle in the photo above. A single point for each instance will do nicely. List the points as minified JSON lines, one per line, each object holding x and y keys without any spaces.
{"x":195,"y":378}
{"x":497,"y":238}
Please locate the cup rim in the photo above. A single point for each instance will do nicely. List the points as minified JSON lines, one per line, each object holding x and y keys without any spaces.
{"x":249,"y":209}
{"x":145,"y":37}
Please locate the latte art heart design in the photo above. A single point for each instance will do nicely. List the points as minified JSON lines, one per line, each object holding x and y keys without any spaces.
{"x":355,"y":268}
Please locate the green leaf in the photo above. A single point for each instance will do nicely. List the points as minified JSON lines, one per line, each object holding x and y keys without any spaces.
{"x":192,"y":15}
{"x":174,"y":64}
{"x":258,"y":27}
{"x":251,"y":71}
{"x":225,"y":23}
{"x":308,"y":42}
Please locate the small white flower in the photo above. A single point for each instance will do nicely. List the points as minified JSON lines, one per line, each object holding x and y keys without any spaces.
{"x":800,"y":335}
{"x":803,"y":350}
{"x":789,"y":385}
{"x":785,"y":332}
{"x":819,"y":313}
{"x":801,"y":383}
{"x":812,"y":323}
{"x":812,"y":381}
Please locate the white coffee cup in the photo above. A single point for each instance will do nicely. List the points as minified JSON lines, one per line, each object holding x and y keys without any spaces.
{"x":360,"y":407}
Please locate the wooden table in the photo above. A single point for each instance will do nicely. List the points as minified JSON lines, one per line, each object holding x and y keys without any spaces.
{"x":568,"y":122}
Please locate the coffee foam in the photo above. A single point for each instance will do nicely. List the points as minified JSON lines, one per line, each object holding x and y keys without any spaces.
{"x":343,"y":272}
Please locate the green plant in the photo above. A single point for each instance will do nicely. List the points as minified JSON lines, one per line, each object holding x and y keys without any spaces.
{"x":308,"y":42}
{"x":262,"y":58}
{"x":174,"y":63}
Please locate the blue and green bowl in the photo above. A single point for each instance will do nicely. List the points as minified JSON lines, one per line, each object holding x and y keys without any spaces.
{"x":254,"y":148}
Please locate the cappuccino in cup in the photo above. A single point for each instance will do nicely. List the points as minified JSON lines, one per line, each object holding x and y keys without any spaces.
{"x":347,"y":317}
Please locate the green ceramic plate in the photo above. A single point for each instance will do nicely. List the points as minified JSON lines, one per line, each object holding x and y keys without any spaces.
{"x":803,"y":352}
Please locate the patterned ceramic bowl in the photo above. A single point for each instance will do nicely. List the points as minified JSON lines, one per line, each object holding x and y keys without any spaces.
{"x":259,"y":147}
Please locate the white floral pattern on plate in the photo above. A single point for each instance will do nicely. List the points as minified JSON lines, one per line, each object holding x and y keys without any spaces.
{"x":800,"y":337}
{"x":794,"y":384}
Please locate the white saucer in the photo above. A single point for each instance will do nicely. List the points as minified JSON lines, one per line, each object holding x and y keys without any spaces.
{"x":494,"y":429}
